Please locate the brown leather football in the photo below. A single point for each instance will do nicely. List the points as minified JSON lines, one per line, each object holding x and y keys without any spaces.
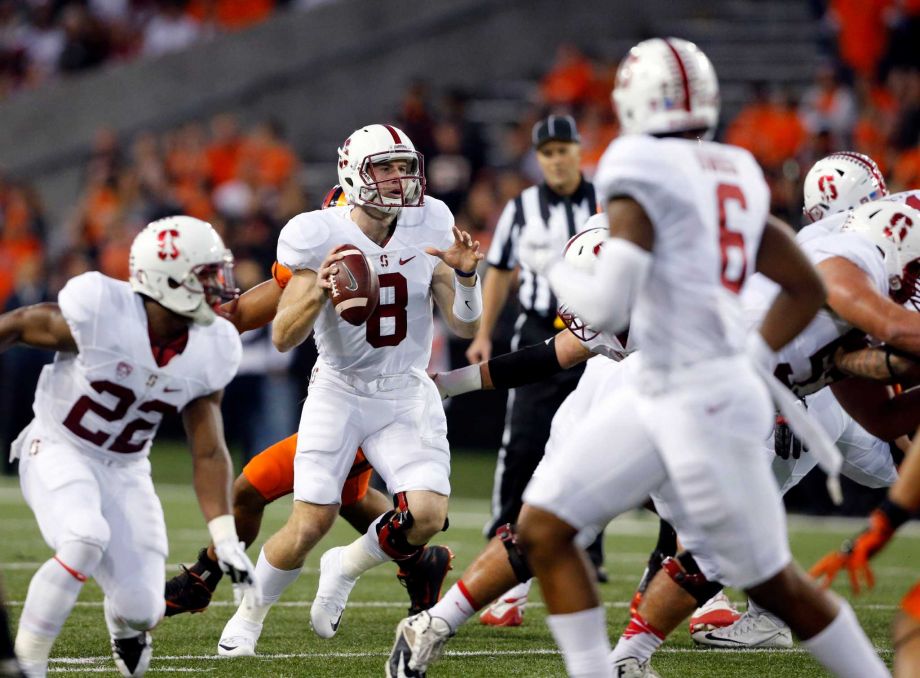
{"x":355,"y":288}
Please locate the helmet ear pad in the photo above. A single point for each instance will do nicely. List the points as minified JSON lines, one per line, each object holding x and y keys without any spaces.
{"x":372,"y":146}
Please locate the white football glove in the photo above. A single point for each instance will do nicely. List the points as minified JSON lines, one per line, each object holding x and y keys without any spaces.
{"x":537,"y":251}
{"x":231,"y":555}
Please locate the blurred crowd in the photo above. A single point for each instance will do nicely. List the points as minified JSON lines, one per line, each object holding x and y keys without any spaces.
{"x":248,"y":180}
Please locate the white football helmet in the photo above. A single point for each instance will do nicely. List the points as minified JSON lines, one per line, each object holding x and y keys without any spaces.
{"x":181,"y":263}
{"x":666,"y":85}
{"x":581,"y":251}
{"x":840,"y":182}
{"x":895,"y":229}
{"x":370,"y":146}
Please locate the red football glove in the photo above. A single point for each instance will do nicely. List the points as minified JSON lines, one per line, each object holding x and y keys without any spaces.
{"x":855,"y":554}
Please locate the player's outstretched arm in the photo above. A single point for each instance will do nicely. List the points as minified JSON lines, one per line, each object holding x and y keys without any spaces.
{"x":852,"y":296}
{"x":903,"y":500}
{"x":300,"y":303}
{"x":455,"y":284}
{"x":213,"y":471}
{"x":880,"y":364}
{"x":254,"y":308}
{"x":527,"y":365}
{"x":801,"y":294}
{"x":38,"y":326}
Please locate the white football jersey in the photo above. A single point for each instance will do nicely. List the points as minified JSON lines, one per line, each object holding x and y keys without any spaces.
{"x":397,"y":337}
{"x":111,"y":395}
{"x":708,"y":204}
{"x":806,"y":364}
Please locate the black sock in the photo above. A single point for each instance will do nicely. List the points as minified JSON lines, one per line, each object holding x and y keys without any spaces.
{"x":6,"y":640}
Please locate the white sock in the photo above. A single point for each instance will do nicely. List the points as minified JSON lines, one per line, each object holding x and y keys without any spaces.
{"x":273,"y":582}
{"x":363,"y":553}
{"x":32,"y":651}
{"x":640,"y":640}
{"x":517,"y":591}
{"x":455,"y":607}
{"x":844,"y":650}
{"x":582,"y":637}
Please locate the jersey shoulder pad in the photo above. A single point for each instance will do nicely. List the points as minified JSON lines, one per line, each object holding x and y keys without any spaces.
{"x":854,"y":247}
{"x":304,"y":241}
{"x":432,"y":224}
{"x":89,"y":298}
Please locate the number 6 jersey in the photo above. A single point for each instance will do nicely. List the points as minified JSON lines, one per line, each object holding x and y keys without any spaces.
{"x":708,"y":205}
{"x":111,"y":396}
{"x":397,"y":337}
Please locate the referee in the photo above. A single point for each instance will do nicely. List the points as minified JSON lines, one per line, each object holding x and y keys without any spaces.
{"x":560,"y":204}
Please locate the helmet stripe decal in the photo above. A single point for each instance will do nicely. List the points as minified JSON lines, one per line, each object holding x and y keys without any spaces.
{"x":684,"y":80}
{"x":394,"y":134}
{"x":860,"y":159}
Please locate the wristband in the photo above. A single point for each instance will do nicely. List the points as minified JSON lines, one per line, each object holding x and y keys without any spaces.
{"x":467,"y":302}
{"x":223,"y":528}
{"x":462,"y":274}
{"x":459,"y":381}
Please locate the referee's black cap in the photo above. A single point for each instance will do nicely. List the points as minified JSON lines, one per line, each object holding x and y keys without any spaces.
{"x":555,"y":128}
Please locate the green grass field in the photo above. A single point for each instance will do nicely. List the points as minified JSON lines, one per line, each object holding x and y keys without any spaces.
{"x":288,"y":647}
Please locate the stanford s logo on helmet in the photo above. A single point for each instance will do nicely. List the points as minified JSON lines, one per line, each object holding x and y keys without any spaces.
{"x":664,"y":86}
{"x":895,"y":229}
{"x":182,"y":264}
{"x":374,"y":145}
{"x":840,"y":182}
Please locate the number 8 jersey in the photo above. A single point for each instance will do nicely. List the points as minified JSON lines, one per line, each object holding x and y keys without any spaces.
{"x":110,"y":397}
{"x":708,"y":204}
{"x":397,"y":337}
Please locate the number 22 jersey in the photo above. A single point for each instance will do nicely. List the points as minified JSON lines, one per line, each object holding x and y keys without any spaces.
{"x":111,"y":395}
{"x":396,"y":339}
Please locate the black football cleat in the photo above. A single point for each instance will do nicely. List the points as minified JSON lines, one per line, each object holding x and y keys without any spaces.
{"x":191,"y":589}
{"x":424,"y":578}
{"x":132,"y":655}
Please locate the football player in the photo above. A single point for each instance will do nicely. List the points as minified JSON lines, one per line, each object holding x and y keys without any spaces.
{"x":270,"y":475}
{"x":688,"y":223}
{"x":903,"y":500}
{"x":368,"y":388}
{"x":127,"y":353}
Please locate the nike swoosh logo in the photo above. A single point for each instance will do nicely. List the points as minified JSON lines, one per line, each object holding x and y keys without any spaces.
{"x":402,"y":262}
{"x":352,"y":283}
{"x":468,"y":305}
{"x":227,"y":647}
{"x":171,"y":390}
{"x":335,"y":624}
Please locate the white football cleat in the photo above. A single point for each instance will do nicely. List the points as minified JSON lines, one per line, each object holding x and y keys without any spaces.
{"x":419,"y":642}
{"x":630,"y":667}
{"x":132,"y":655}
{"x":239,"y":638}
{"x":331,"y":594}
{"x":504,"y":612}
{"x":718,"y":612}
{"x":751,"y":630}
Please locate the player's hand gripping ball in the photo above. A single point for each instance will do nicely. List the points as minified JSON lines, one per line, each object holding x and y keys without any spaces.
{"x":353,"y":288}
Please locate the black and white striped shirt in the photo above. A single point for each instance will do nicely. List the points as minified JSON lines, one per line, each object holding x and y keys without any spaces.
{"x":539,"y":207}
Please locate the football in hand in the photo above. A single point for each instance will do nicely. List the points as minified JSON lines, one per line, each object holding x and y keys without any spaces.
{"x":355,"y":288}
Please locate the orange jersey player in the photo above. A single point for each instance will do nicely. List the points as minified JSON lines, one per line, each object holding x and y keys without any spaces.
{"x":270,"y":475}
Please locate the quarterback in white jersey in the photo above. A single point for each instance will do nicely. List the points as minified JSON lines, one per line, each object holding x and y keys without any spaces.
{"x":369,"y":387}
{"x":127,"y":354}
{"x":687,"y":220}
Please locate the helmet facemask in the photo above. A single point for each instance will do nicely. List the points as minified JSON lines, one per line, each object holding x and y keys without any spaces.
{"x":390,"y":194}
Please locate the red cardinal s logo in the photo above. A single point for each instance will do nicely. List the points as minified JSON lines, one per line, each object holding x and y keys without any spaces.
{"x":898,"y":227}
{"x":166,"y":240}
{"x":827,"y":187}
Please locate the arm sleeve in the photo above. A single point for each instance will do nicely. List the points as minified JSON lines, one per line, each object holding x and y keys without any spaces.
{"x":503,"y":250}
